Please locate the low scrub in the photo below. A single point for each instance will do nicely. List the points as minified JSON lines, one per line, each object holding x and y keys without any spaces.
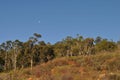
{"x":105,"y":66}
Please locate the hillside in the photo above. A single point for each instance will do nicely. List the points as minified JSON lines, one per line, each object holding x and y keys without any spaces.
{"x":102,"y":66}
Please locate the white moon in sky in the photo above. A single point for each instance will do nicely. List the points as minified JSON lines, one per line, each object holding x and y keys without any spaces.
{"x":39,"y":21}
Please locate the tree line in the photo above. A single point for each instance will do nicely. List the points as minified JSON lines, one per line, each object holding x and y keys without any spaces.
{"x":17,"y":54}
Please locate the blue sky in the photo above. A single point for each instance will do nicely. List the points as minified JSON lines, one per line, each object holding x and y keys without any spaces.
{"x":56,"y":19}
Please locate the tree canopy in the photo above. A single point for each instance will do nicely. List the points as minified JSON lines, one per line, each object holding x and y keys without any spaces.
{"x":17,"y":54}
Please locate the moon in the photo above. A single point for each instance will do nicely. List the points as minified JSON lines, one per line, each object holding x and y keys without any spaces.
{"x":39,"y":21}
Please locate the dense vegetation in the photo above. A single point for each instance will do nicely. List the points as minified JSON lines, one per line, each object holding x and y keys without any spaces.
{"x":101,"y":66}
{"x":73,"y":58}
{"x":16,"y":54}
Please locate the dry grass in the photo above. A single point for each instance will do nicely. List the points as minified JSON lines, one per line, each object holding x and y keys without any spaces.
{"x":104,"y":66}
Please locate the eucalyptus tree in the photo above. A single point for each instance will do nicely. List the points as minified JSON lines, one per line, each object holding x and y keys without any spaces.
{"x":60,"y":49}
{"x":49,"y":51}
{"x":88,"y":46}
{"x":7,"y":46}
{"x":46,"y":51}
{"x":41,"y":50}
{"x":32,"y":41}
{"x":69,"y":42}
{"x":106,"y":45}
{"x":98,"y":39}
{"x":17,"y":45}
{"x":2,"y":60}
{"x":79,"y":45}
{"x":24,"y":57}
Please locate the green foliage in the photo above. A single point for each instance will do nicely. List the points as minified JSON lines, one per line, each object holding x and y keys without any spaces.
{"x":104,"y":66}
{"x":1,"y":64}
{"x":105,"y":45}
{"x":16,"y":54}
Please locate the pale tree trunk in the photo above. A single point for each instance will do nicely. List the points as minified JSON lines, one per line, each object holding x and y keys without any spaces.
{"x":22,"y":66}
{"x":31,"y":63}
{"x":15,"y":62}
{"x":5,"y":67}
{"x":68,"y":53}
{"x":71,"y":52}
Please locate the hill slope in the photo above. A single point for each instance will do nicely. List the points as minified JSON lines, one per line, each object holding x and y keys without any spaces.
{"x":93,"y":67}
